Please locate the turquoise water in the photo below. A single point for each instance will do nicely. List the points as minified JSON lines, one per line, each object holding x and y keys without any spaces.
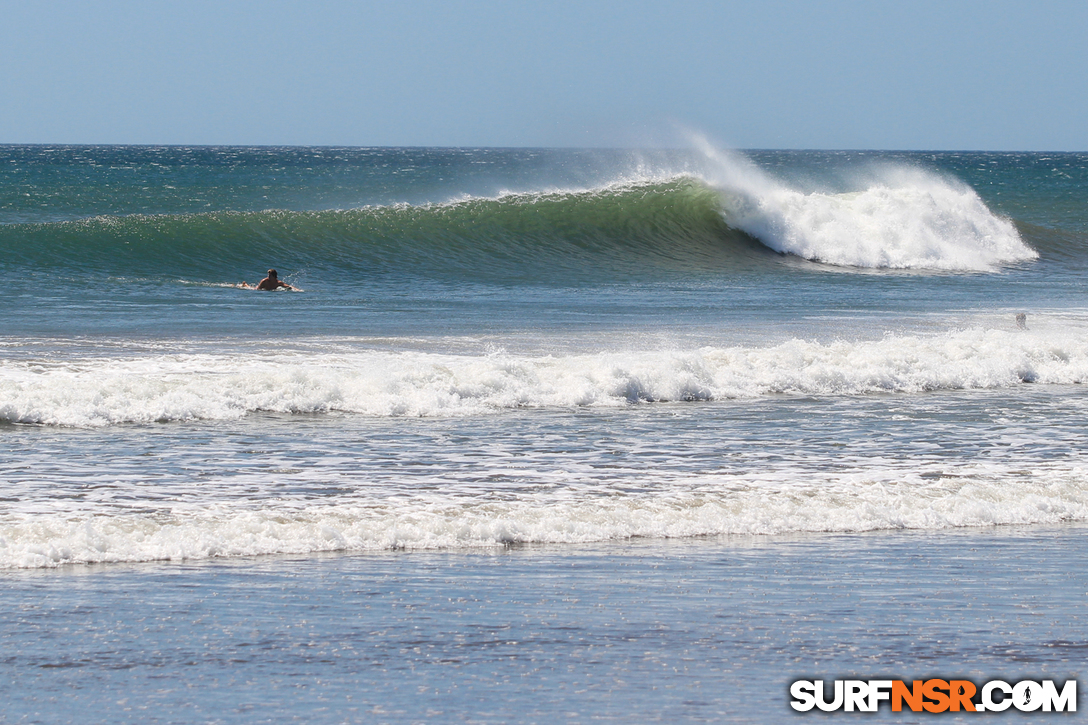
{"x":525,"y":351}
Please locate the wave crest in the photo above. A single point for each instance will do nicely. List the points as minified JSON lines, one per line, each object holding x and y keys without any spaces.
{"x":901,"y":218}
{"x":704,"y":220}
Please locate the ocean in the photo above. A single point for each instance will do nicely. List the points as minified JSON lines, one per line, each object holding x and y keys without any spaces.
{"x":541,"y":435}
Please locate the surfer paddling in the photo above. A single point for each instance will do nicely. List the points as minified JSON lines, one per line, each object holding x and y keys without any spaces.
{"x":271,"y":282}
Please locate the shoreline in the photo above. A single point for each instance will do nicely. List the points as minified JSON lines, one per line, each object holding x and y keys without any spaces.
{"x":630,"y":546}
{"x":673,"y":630}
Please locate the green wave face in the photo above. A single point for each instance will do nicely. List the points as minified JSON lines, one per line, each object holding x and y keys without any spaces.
{"x":617,"y":230}
{"x":347,"y":214}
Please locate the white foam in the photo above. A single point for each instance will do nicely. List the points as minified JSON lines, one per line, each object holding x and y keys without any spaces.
{"x":103,"y":391}
{"x":899,"y":218}
{"x":710,"y":505}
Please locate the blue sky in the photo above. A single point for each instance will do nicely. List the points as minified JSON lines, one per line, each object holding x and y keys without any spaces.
{"x":852,"y":75}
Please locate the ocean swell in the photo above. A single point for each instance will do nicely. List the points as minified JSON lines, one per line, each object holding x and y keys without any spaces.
{"x":688,"y":223}
{"x":622,"y":228}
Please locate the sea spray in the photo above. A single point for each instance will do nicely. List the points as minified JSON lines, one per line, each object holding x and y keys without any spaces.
{"x":900,"y":218}
{"x":693,"y":219}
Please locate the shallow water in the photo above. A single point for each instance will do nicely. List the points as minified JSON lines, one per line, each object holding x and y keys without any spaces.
{"x":285,"y":483}
{"x":694,"y":630}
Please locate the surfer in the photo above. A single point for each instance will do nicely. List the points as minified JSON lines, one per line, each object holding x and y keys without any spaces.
{"x":271,"y":282}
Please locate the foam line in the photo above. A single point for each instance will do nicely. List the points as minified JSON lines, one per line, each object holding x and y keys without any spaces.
{"x":891,"y":499}
{"x":97,"y":392}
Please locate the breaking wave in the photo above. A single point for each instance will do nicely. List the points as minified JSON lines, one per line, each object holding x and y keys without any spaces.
{"x":728,"y":214}
{"x":899,"y":218}
{"x":97,"y":392}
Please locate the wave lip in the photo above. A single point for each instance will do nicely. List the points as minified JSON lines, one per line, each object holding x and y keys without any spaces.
{"x":932,"y":226}
{"x":103,"y":392}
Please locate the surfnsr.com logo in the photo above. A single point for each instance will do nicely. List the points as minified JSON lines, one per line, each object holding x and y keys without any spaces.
{"x":935,"y":696}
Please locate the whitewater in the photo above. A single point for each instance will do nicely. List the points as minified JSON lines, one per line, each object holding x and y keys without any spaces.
{"x":625,"y":281}
{"x":161,"y":388}
{"x":549,"y":435}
